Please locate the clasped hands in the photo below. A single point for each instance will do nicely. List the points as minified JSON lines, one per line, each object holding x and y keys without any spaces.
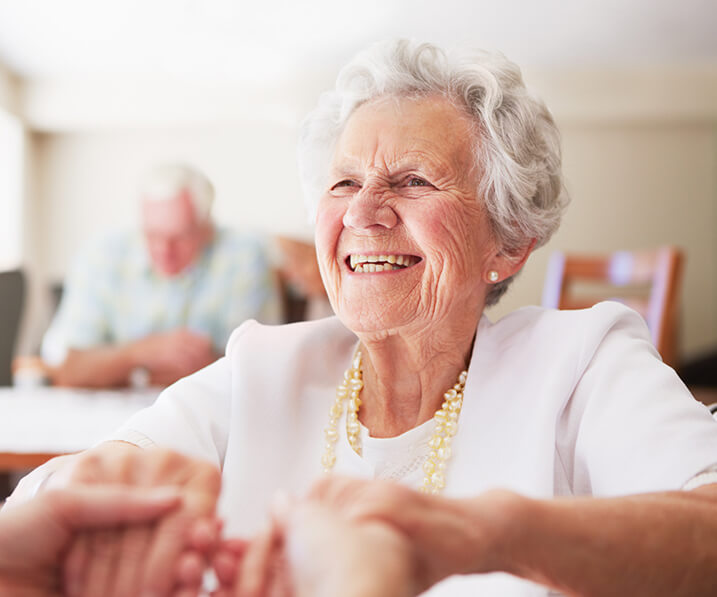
{"x":347,"y":536}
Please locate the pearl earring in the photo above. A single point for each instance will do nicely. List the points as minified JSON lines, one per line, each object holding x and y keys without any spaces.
{"x":493,"y":276}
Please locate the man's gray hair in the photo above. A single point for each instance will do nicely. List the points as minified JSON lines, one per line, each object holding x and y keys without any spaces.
{"x":165,"y":181}
{"x":517,"y":144}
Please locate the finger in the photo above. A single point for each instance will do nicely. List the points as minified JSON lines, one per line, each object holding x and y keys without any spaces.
{"x":204,"y":535}
{"x":200,"y":485}
{"x":254,"y":570}
{"x":226,"y":566}
{"x":135,"y":543}
{"x":281,"y":506}
{"x":104,"y":551}
{"x":91,"y":507}
{"x":236,"y":546}
{"x":168,"y":543}
{"x":75,"y":564}
{"x":190,"y":570}
{"x":281,"y":585}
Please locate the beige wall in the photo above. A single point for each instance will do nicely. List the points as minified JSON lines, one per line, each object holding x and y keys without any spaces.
{"x":637,"y":179}
{"x":9,"y":91}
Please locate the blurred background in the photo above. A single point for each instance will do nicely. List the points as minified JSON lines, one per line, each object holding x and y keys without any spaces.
{"x":92,"y":93}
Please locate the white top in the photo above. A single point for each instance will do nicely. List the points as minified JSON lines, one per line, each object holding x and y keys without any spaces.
{"x":556,"y":403}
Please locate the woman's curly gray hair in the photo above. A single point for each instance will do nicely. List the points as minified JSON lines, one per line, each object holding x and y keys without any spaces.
{"x":517,"y":148}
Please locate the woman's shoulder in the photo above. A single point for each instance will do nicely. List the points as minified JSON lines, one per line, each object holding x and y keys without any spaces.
{"x":252,"y":336}
{"x":597,"y":319}
{"x":575,"y":333}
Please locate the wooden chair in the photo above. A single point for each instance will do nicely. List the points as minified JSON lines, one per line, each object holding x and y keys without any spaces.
{"x":299,"y":278}
{"x":647,"y":281}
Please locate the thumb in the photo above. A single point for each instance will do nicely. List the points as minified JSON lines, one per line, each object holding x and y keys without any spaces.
{"x":89,"y":507}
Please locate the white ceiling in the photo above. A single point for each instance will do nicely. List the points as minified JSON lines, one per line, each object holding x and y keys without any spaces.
{"x":260,"y":42}
{"x":84,"y":64}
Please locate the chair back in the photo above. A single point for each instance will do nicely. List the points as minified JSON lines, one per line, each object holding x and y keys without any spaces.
{"x":647,"y":281}
{"x":12,"y":295}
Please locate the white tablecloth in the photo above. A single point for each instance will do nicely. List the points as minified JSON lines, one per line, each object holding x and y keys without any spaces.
{"x":60,"y":420}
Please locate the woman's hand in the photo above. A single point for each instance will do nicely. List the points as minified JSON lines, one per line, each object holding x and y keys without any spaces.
{"x":155,"y":558}
{"x":35,"y":535}
{"x":356,"y":537}
{"x":446,"y":536}
{"x":329,"y":554}
{"x":311,"y":550}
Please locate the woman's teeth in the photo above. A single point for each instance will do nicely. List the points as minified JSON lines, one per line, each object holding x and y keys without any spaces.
{"x":381,"y":263}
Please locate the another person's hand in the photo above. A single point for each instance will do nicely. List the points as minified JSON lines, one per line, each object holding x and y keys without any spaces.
{"x":172,"y":355}
{"x":151,"y":557}
{"x":34,"y":536}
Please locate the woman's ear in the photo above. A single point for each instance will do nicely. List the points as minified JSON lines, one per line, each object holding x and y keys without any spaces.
{"x":504,"y":265}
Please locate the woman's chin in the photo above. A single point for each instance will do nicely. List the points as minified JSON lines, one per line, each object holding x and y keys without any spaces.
{"x":379,"y":322}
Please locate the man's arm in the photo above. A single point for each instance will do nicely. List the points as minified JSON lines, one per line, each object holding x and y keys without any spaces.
{"x":166,"y":357}
{"x":105,"y":366}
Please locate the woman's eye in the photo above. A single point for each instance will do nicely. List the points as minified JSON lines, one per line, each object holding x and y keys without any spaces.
{"x":344,"y":183}
{"x":414,"y":181}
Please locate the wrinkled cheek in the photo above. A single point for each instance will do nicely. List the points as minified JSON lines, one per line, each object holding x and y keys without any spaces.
{"x":329,"y":223}
{"x":328,"y":231}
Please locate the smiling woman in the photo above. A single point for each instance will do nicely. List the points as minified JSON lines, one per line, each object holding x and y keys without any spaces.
{"x":406,"y":188}
{"x":432,"y":176}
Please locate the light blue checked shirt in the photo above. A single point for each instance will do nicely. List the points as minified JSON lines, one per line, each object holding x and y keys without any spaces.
{"x":112,"y":295}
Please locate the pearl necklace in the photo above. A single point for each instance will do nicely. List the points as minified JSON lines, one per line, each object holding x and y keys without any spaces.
{"x":446,"y":426}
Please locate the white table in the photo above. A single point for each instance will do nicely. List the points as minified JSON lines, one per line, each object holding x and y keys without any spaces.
{"x":37,"y":424}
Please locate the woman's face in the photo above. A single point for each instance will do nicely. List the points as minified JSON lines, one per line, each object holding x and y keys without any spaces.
{"x":402,"y":240}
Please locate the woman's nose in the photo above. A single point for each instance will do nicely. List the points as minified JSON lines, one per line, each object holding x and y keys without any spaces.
{"x":368,"y":208}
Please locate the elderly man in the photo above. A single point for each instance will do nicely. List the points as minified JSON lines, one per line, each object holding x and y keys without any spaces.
{"x":157,"y":308}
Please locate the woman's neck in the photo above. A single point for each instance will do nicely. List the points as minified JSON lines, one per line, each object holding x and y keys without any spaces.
{"x":406,"y":375}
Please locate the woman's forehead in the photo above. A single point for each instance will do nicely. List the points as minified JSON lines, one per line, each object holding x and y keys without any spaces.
{"x":405,"y":132}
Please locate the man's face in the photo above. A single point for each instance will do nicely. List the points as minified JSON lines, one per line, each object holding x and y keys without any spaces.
{"x":173,"y":233}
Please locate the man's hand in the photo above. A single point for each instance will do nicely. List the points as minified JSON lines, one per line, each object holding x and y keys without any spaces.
{"x":35,"y":535}
{"x":150,"y":557}
{"x":172,"y":355}
{"x":167,"y":357}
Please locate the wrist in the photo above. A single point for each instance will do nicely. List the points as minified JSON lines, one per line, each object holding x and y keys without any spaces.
{"x":130,"y":356}
{"x":499,"y":521}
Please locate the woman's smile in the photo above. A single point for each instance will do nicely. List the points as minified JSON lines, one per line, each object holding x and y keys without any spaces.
{"x":374,"y":263}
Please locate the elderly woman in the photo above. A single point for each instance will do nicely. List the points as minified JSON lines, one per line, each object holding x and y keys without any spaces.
{"x":433,"y":176}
